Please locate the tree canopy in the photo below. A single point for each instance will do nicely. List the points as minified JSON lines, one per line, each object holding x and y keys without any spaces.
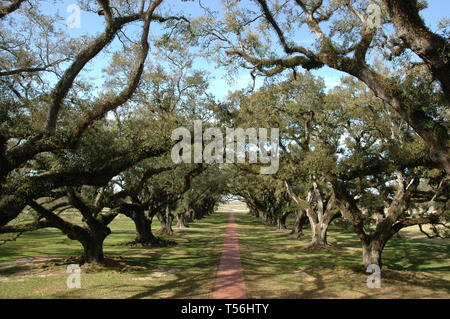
{"x":373,"y":152}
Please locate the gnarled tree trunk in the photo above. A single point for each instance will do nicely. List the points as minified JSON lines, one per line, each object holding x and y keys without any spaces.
{"x":319,"y":233}
{"x":372,"y":251}
{"x":267,"y":218}
{"x":143,"y":225}
{"x":183,"y":219}
{"x":319,"y":228}
{"x":93,"y":248}
{"x":281,"y":221}
{"x":166,"y":220}
{"x":297,"y":229}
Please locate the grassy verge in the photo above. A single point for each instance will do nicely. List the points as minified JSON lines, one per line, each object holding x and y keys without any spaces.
{"x":276,"y":266}
{"x":34,"y":266}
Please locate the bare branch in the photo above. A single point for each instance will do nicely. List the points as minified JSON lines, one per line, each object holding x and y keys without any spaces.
{"x":33,"y":69}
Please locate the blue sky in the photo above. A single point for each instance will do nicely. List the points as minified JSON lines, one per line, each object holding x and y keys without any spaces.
{"x":91,"y":24}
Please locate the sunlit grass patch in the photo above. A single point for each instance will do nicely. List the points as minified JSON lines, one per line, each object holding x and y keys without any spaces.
{"x":34,"y":266}
{"x":277,"y":266}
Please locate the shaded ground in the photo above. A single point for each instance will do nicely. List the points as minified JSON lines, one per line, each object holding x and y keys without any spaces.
{"x":277,"y":266}
{"x":34,"y":266}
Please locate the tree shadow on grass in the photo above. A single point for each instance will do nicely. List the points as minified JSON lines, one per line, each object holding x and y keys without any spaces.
{"x":413,"y":267}
{"x":416,"y":279}
{"x":416,"y":254}
{"x":309,"y":290}
{"x":181,"y":287}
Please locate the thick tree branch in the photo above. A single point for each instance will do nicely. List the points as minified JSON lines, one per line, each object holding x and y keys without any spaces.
{"x":88,"y":53}
{"x":25,"y":227}
{"x":11,"y":204}
{"x":133,"y":82}
{"x":433,"y":49}
{"x":31,"y":70}
{"x":5,"y":10}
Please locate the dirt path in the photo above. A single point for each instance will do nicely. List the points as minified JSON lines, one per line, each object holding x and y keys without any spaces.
{"x":230,"y":276}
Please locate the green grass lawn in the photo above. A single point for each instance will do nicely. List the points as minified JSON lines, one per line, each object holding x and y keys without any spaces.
{"x":34,"y":266}
{"x":277,"y":266}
